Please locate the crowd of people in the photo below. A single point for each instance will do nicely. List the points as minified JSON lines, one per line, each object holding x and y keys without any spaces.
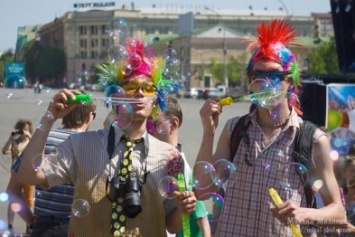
{"x":115,"y":171}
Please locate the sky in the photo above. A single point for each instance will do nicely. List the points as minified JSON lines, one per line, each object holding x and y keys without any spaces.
{"x":15,"y":13}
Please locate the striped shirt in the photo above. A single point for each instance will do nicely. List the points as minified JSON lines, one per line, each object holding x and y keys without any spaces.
{"x":84,"y":160}
{"x":246,"y":211}
{"x":54,"y":202}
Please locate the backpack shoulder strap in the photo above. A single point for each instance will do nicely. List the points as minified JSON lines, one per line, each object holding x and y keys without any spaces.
{"x":302,"y":154}
{"x":238,"y":132}
{"x":303,"y":144}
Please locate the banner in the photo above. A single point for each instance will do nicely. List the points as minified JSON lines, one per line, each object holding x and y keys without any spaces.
{"x":15,"y":75}
{"x":341,"y":116}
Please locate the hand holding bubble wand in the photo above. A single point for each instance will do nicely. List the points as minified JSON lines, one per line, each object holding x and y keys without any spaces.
{"x":277,"y":201}
{"x":185,"y":218}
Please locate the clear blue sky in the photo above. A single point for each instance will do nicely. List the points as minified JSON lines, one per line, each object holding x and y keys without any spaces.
{"x":15,"y":13}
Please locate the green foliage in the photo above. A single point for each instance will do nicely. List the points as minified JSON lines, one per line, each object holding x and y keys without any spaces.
{"x":323,"y":59}
{"x":32,"y":53}
{"x":44,"y":63}
{"x":217,"y":70}
{"x":201,"y":73}
{"x":7,"y":56}
{"x":235,"y":69}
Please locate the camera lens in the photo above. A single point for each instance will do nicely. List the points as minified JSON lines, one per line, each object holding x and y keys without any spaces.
{"x":132,"y":204}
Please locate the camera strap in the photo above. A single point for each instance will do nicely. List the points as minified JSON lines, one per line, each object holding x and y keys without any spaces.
{"x":111,"y":142}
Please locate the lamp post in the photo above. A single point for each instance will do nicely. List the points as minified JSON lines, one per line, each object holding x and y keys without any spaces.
{"x":284,"y":7}
{"x":225,"y":77}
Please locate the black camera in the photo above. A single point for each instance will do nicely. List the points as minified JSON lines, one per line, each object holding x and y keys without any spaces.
{"x":129,"y":189}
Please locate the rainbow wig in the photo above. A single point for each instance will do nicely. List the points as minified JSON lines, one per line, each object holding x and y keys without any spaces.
{"x":137,"y":59}
{"x":270,"y":44}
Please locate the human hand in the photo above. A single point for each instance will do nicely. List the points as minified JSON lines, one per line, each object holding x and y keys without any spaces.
{"x":209,"y":114}
{"x":289,"y":213}
{"x":186,"y":202}
{"x":59,"y":106}
{"x":16,"y":132}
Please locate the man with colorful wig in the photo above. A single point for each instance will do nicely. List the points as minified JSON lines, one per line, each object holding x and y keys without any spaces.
{"x":97,"y":162}
{"x":264,"y":160}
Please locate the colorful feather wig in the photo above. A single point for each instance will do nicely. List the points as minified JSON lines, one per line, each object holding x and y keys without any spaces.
{"x":137,"y":59}
{"x":270,"y":44}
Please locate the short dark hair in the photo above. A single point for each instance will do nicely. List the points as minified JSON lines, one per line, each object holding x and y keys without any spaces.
{"x":173,"y":109}
{"x":78,"y":116}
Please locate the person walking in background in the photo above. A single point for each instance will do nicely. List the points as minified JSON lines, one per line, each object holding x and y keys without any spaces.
{"x":271,"y":129}
{"x":18,"y":140}
{"x":165,"y":126}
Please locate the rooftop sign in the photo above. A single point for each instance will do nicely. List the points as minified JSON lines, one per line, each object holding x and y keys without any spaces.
{"x":94,"y":4}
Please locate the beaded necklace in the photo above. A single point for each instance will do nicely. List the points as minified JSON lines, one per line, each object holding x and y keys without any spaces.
{"x":277,"y":125}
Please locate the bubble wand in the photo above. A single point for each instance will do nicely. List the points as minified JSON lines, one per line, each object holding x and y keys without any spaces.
{"x":277,"y":201}
{"x":185,"y":217}
{"x":252,"y":97}
{"x":87,"y":98}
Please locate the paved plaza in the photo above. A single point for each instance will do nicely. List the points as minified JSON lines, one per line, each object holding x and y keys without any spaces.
{"x":28,"y":105}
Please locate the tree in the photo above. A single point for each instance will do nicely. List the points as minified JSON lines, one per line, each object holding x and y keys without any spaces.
{"x":44,"y":64}
{"x":32,"y":52}
{"x":235,"y":69}
{"x":51,"y":63}
{"x":7,"y":56}
{"x":323,"y":59}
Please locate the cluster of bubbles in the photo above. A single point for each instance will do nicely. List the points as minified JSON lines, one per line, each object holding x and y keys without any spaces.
{"x":268,"y":94}
{"x":122,"y":53}
{"x":204,"y":176}
{"x":341,"y":140}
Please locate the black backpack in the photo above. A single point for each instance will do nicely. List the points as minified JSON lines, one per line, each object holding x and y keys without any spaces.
{"x":301,"y":153}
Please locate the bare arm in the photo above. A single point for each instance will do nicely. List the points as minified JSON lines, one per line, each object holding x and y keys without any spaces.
{"x":204,"y":226}
{"x":14,"y":190}
{"x":209,"y":114}
{"x":333,"y":213}
{"x":333,"y":209}
{"x":33,"y":153}
{"x":6,"y":149}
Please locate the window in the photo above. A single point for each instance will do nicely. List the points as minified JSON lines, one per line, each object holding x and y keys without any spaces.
{"x":94,"y":54}
{"x":83,"y":54}
{"x":83,"y":43}
{"x":82,"y":30}
{"x":94,"y":43}
{"x":94,"y":30}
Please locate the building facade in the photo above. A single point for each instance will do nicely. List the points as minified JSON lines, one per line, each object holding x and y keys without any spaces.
{"x":83,"y":35}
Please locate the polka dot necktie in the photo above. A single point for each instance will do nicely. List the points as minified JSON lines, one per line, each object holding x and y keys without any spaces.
{"x":118,"y":219}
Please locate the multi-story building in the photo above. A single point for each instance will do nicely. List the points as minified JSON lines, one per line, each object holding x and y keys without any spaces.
{"x":83,"y":36}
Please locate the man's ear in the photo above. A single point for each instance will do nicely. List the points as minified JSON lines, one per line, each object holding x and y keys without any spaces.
{"x":174,"y":123}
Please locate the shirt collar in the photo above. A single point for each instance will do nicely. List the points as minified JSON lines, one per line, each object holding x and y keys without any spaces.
{"x":119,"y":133}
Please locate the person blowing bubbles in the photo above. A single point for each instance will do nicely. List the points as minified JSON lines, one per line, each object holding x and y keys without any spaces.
{"x":272,"y":126}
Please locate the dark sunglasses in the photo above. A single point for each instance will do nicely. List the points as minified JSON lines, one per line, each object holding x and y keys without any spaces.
{"x":93,"y":115}
{"x":274,"y":76}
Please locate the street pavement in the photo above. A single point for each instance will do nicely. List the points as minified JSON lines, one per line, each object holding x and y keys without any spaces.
{"x":27,"y":105}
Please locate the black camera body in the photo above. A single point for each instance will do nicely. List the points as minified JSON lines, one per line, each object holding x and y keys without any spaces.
{"x":129,"y":189}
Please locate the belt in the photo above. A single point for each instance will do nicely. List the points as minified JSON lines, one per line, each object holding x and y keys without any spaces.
{"x":51,"y":219}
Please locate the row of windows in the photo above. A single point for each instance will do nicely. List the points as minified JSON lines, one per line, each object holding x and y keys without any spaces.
{"x":94,"y":30}
{"x":94,"y":43}
{"x":93,"y":54}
